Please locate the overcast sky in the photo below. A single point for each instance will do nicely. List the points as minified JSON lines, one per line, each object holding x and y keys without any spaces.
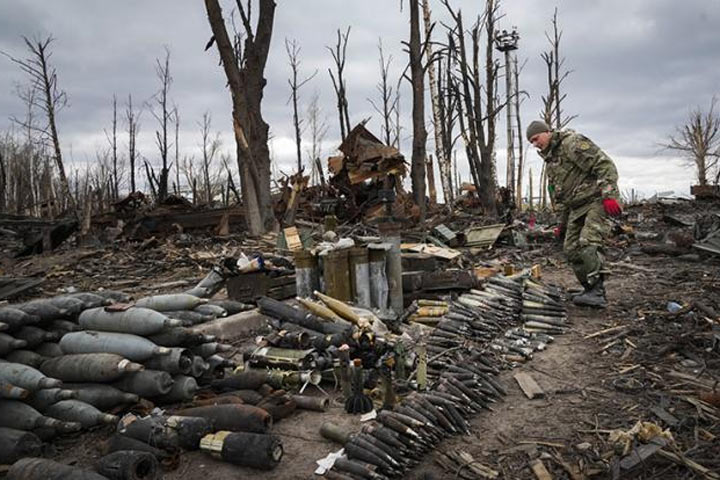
{"x":638,"y":67}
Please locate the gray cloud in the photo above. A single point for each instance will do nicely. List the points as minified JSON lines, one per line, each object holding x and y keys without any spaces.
{"x":637,"y":68}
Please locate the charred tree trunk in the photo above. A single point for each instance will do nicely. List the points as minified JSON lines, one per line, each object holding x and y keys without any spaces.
{"x":164,"y":117}
{"x":387,"y":105}
{"x":552,"y":110}
{"x":521,"y":149}
{"x":465,"y":97}
{"x":47,"y":96}
{"x":318,"y":129}
{"x":176,"y":116}
{"x":487,"y":146}
{"x":443,"y":156}
{"x":49,"y":80}
{"x":478,"y":108}
{"x":210,"y":147}
{"x":293,"y":52}
{"x":230,"y":181}
{"x":432,"y":190}
{"x":294,"y":94}
{"x":417,"y":72}
{"x":246,"y":81}
{"x":151,"y":179}
{"x":112,"y":139}
{"x":132,"y":130}
{"x":3,"y":183}
{"x":339,"y":56}
{"x":447,"y":102}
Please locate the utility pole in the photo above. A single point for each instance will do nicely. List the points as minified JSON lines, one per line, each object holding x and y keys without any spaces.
{"x":506,"y":42}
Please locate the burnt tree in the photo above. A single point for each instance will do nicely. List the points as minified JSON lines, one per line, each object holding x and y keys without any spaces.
{"x":318,"y":128}
{"x":3,"y":182}
{"x":49,"y":99}
{"x":417,"y":74}
{"x":244,"y":69}
{"x":448,"y":106}
{"x":477,"y":106}
{"x":112,"y":140}
{"x":339,"y":56}
{"x":163,"y":113}
{"x":176,"y":118}
{"x":443,"y":155}
{"x":133,"y":124}
{"x":698,"y":140}
{"x":552,"y":102}
{"x":210,"y":146}
{"x":293,"y":51}
{"x":388,"y":104}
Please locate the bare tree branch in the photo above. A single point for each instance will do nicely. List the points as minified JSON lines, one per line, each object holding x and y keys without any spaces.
{"x":698,"y":140}
{"x":339,"y":54}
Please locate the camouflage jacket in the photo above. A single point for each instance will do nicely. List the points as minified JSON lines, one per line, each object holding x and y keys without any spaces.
{"x":578,"y":173}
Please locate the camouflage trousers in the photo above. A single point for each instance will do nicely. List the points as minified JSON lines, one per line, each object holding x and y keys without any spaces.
{"x":587,"y":229}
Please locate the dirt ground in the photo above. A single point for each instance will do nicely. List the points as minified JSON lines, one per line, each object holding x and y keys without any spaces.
{"x":584,"y":385}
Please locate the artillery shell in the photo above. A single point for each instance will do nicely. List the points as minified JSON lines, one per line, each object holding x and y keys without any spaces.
{"x":101,"y":396}
{"x":357,"y":469}
{"x":80,"y":412}
{"x":31,"y":468}
{"x":89,"y":367}
{"x":129,"y":465}
{"x":263,"y":451}
{"x":355,"y":451}
{"x":172,"y":301}
{"x":233,"y":417}
{"x":318,"y":404}
{"x":16,"y":444}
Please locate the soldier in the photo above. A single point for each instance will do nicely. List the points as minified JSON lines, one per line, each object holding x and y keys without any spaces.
{"x":582,"y":182}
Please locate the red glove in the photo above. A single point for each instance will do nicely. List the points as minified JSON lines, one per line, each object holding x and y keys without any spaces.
{"x":559,"y":231}
{"x":612,"y":207}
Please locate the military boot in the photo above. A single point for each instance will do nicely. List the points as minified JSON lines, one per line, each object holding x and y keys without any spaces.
{"x":585,"y":288}
{"x":593,"y":297}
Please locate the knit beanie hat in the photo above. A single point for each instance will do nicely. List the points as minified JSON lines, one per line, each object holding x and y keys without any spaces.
{"x":535,"y":127}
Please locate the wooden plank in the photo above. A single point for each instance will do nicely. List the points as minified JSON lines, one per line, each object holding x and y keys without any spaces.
{"x":691,"y":379}
{"x":335,"y":164}
{"x":15,"y":286}
{"x":542,"y":443}
{"x":606,"y":331}
{"x":665,"y":416}
{"x":642,"y":453}
{"x":446,"y":253}
{"x":223,"y":228}
{"x":415,"y":262}
{"x":162,"y":219}
{"x":359,"y":176}
{"x":292,"y":238}
{"x":538,"y":468}
{"x":528,"y":385}
{"x":680,"y":459}
{"x":481,"y":273}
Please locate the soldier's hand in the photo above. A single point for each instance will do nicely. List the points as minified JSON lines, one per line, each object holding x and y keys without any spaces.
{"x":612,"y":207}
{"x":559,"y":232}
